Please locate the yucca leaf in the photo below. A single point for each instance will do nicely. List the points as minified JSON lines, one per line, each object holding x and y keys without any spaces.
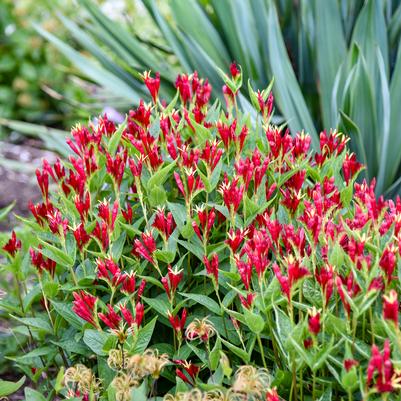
{"x":248,"y":35}
{"x":394,"y":154}
{"x":330,"y":52}
{"x":127,"y":41}
{"x":196,"y":24}
{"x":359,"y":105}
{"x":169,"y":34}
{"x":287,"y":91}
{"x":383,"y":114}
{"x":87,"y":42}
{"x":98,"y":74}
{"x":369,"y":32}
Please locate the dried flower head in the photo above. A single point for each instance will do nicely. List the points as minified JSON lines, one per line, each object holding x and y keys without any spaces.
{"x":123,"y":384}
{"x":83,"y":378}
{"x":150,"y":363}
{"x":200,"y":328}
{"x":251,"y":381}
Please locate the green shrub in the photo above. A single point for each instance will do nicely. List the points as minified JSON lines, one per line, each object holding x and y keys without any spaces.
{"x":192,"y":253}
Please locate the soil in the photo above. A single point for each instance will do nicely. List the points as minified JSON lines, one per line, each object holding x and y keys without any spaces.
{"x":18,"y":163}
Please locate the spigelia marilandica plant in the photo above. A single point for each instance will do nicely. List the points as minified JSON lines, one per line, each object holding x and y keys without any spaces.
{"x":198,"y":254}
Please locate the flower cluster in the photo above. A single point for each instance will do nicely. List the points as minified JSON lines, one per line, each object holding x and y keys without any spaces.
{"x":217,"y":241}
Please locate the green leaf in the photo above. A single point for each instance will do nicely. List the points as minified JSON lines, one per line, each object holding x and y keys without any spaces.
{"x":33,"y":395}
{"x":326,"y":396}
{"x":330,"y":52}
{"x":204,"y":300}
{"x":179,"y":213}
{"x":118,"y":246}
{"x":159,"y":304}
{"x":52,"y":252}
{"x":96,"y":340}
{"x":254,"y":321}
{"x":144,"y":336}
{"x":36,"y":323}
{"x":160,"y":176}
{"x":66,"y":312}
{"x":214,"y":356}
{"x":101,"y":76}
{"x":8,"y":387}
{"x":236,"y":350}
{"x":115,"y":139}
{"x":6,"y":210}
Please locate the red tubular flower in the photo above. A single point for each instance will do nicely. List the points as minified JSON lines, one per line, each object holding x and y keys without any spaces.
{"x":350,"y":166}
{"x":109,"y":271}
{"x":153,"y":84}
{"x":390,"y":307}
{"x":83,"y":204}
{"x":13,"y":245}
{"x":349,"y":364}
{"x":43,"y":181}
{"x":171,"y":281}
{"x":341,"y":292}
{"x":136,"y":168}
{"x":211,"y":154}
{"x":164,"y":224}
{"x":128,"y":283}
{"x":381,"y":363}
{"x":100,"y":232}
{"x":325,"y":278}
{"x":248,"y":301}
{"x":110,"y":318}
{"x":127,"y":315}
{"x":244,"y":270}
{"x":388,"y":261}
{"x":183,"y":85}
{"x":235,"y":238}
{"x":128,"y":214}
{"x":115,"y":167}
{"x":84,"y":306}
{"x":191,"y":369}
{"x":271,"y":394}
{"x":234,"y":70}
{"x":232,"y":194}
{"x":212,"y":266}
{"x":314,"y":321}
{"x":139,"y":313}
{"x":177,"y":323}
{"x":141,"y":288}
{"x":57,"y":224}
{"x":42,"y":263}
{"x":81,"y":236}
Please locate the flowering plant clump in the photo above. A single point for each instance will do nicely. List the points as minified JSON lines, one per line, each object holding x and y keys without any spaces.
{"x":195,"y":253}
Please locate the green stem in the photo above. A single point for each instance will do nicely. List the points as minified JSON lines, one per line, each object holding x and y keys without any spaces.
{"x":262,"y":352}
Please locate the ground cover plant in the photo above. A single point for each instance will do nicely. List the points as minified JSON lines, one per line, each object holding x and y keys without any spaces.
{"x":193,"y":253}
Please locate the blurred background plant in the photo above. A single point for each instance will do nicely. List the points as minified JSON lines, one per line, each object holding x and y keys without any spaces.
{"x":31,"y":70}
{"x":335,"y":61}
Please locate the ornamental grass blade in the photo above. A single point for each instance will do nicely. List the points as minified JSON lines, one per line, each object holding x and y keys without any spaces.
{"x":394,"y":154}
{"x":96,"y":73}
{"x":196,"y":24}
{"x":330,"y":51}
{"x":287,"y":90}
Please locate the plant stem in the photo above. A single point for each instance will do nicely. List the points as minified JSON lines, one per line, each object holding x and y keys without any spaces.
{"x":262,"y":352}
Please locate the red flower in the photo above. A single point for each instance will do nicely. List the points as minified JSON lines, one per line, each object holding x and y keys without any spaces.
{"x":235,"y":238}
{"x":139,"y":313}
{"x":81,"y":236}
{"x":84,"y":306}
{"x":350,"y":166}
{"x":128,"y":283}
{"x":13,"y":245}
{"x":314,"y":321}
{"x":390,"y":307}
{"x":177,"y":323}
{"x":271,"y":394}
{"x":234,"y":70}
{"x":212,"y":266}
{"x":349,"y":364}
{"x":110,"y":318}
{"x":153,"y":84}
{"x":388,"y":261}
{"x":248,"y":301}
{"x":382,"y":365}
